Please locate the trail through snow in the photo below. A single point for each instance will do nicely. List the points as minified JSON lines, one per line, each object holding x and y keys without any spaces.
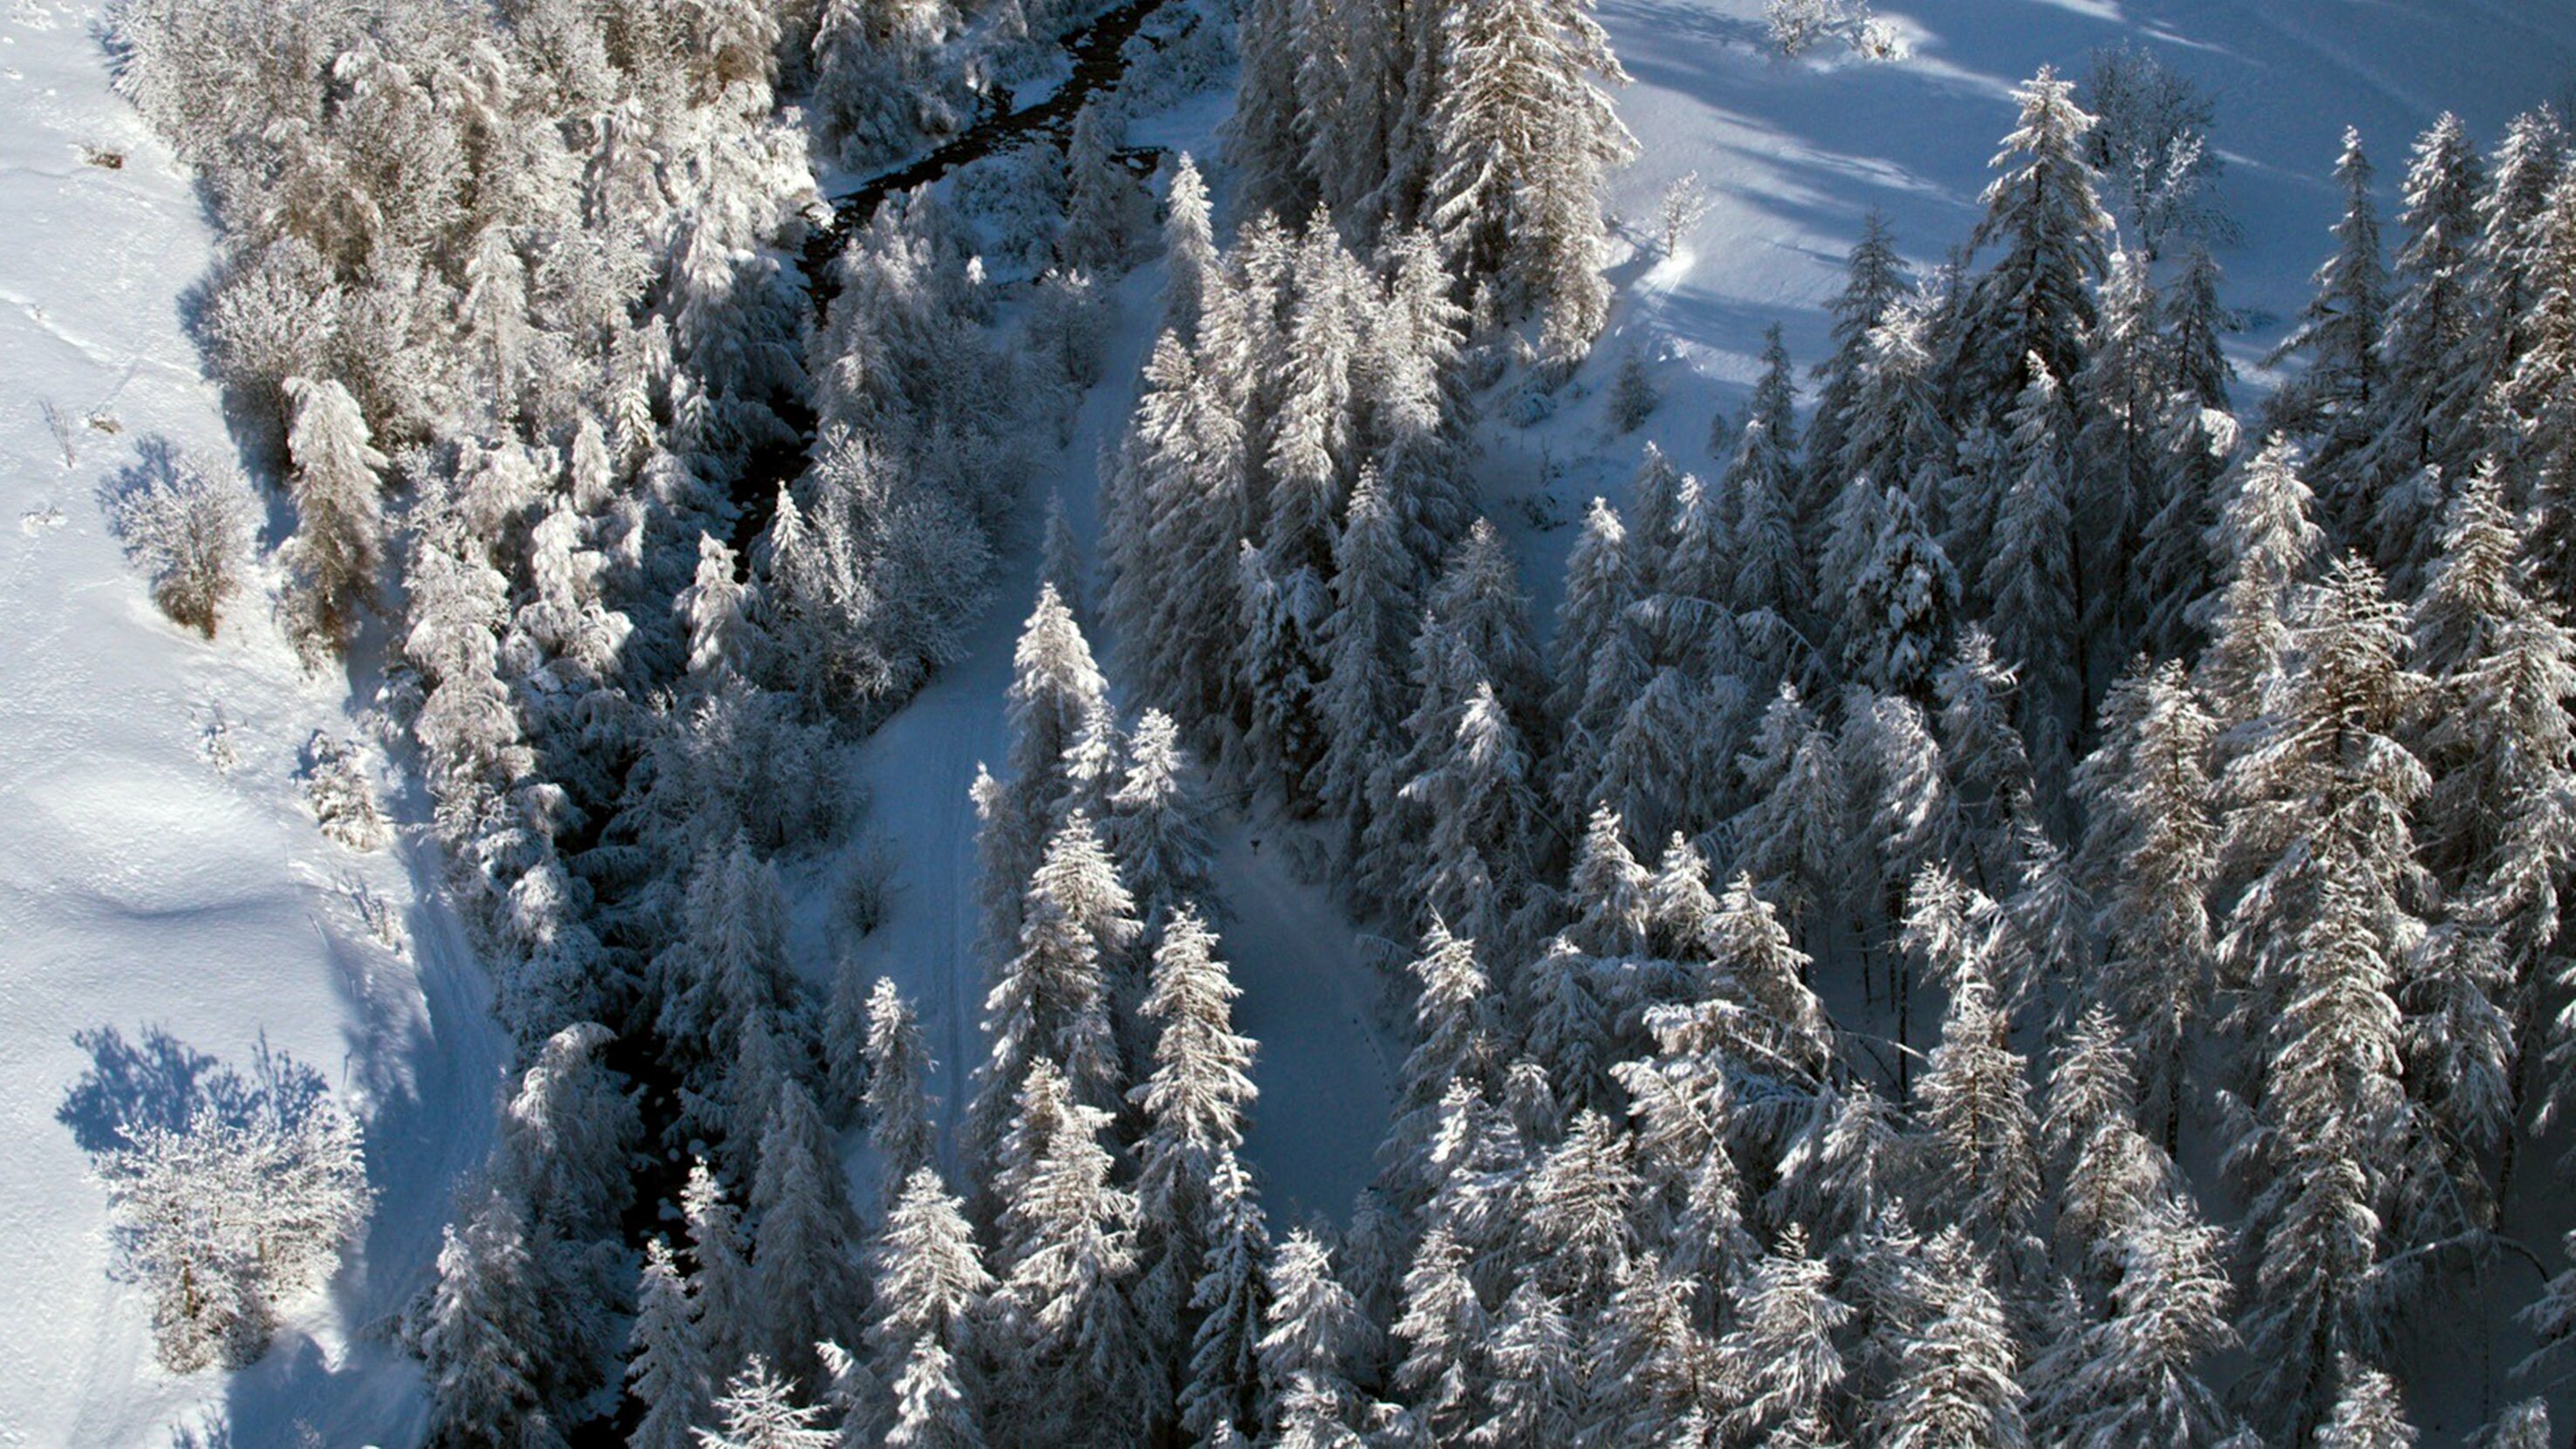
{"x":1323,"y":1064}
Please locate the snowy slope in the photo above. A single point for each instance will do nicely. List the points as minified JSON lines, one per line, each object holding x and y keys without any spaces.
{"x":1793,"y":154}
{"x":140,"y":886}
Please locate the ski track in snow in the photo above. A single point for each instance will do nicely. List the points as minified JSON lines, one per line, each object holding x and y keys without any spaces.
{"x":141,"y":888}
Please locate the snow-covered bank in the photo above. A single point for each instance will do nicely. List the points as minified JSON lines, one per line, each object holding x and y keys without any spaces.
{"x":141,"y":885}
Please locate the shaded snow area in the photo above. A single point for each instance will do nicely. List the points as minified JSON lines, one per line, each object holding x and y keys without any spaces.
{"x":161,"y":871}
{"x":1794,"y":154}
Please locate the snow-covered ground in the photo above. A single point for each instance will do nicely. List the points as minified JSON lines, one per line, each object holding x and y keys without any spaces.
{"x":141,"y":886}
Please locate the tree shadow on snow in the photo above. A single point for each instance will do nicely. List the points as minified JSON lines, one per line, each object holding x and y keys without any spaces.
{"x":162,"y":1081}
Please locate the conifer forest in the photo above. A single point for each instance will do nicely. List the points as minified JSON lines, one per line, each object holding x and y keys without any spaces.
{"x":1319,"y":724}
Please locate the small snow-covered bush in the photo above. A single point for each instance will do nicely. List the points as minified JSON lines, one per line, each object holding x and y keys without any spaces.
{"x":343,"y":798}
{"x":1796,"y":25}
{"x":867,"y":887}
{"x":236,"y":1210}
{"x":188,"y":525}
{"x":1879,"y":40}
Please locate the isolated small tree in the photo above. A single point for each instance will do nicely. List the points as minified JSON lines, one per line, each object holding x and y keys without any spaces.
{"x":187,"y":525}
{"x":1680,"y":207}
{"x":234,"y":1213}
{"x":1632,"y":393}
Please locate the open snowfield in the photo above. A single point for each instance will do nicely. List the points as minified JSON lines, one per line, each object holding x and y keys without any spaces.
{"x":141,"y":886}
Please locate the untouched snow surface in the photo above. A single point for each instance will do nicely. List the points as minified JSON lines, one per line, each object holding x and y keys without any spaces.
{"x":141,"y":886}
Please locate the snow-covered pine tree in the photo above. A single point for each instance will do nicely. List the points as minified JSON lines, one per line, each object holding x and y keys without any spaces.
{"x":930,"y":1279}
{"x":1361,"y":705}
{"x":1536,"y":1389}
{"x":1265,"y":137}
{"x":1314,"y":1331}
{"x":715,"y":609}
{"x":1522,"y":137}
{"x":667,"y":1372}
{"x":2152,"y":827}
{"x":2042,"y":210}
{"x":1194,"y":1104}
{"x":2339,"y":395}
{"x":1980,"y":1133}
{"x":1455,"y":1042}
{"x":1901,"y":809}
{"x":1443,"y":1327}
{"x":2121,"y":399}
{"x":1476,"y":867}
{"x":1220,"y":1399}
{"x":2425,"y":417}
{"x":1781,"y":1353}
{"x":805,"y":1263}
{"x":1189,"y":251}
{"x":1101,"y":199}
{"x":758,"y":1410}
{"x":1654,"y":516}
{"x":1580,"y":1234}
{"x":1902,"y":604}
{"x":730,"y":1310}
{"x":1958,"y":1382}
{"x":2030,"y":576}
{"x":1056,"y":692}
{"x":2330,"y":1126}
{"x":1873,"y":280}
{"x":1309,"y":472}
{"x":2541,"y":395}
{"x":898,"y":1107}
{"x":2265,"y":543}
{"x":1600,"y":586}
{"x":339,"y":529}
{"x":1075,"y":1361}
{"x":2521,"y":177}
{"x":1895,"y":431}
{"x":1412,"y":391}
{"x":480,"y":1336}
{"x":1157,"y":827}
{"x":1981,"y":747}
{"x":2495,"y":826}
{"x":931,"y":1407}
{"x":2367,"y":1412}
{"x":1054,"y":1001}
{"x":2136,"y":1376}
{"x":1790,"y":837}
{"x":725,"y":982}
